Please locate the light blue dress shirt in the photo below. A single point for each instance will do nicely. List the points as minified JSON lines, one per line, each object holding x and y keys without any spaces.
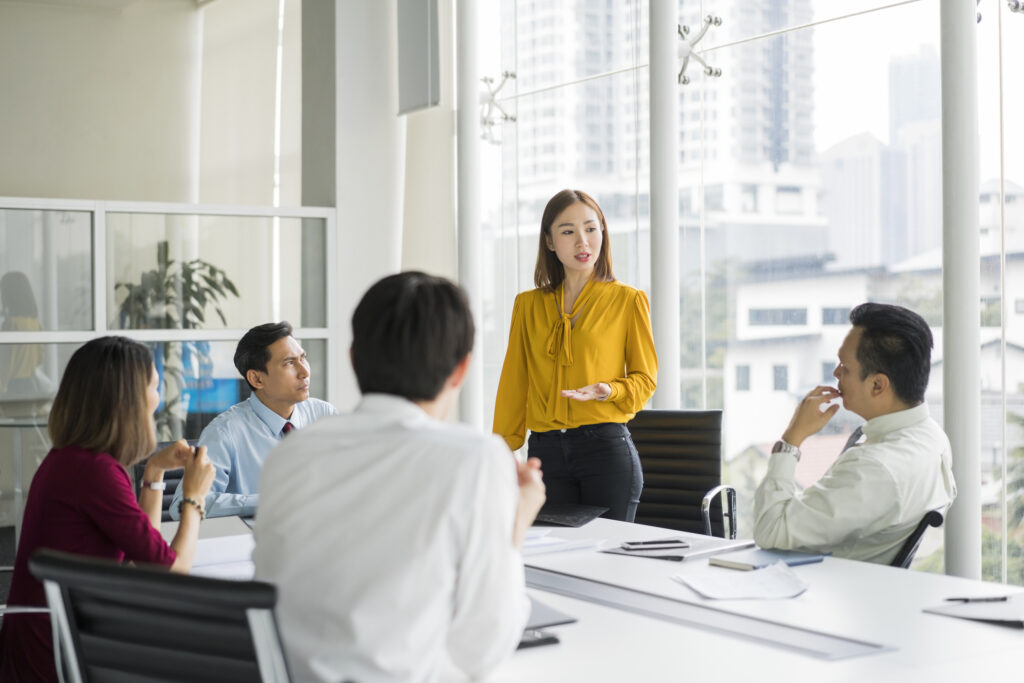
{"x":237,"y":442}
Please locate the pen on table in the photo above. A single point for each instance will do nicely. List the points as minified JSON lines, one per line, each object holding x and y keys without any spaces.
{"x":994,"y":598}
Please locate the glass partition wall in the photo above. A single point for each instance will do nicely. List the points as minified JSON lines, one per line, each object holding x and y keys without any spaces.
{"x":810,"y":180}
{"x":186,"y":280}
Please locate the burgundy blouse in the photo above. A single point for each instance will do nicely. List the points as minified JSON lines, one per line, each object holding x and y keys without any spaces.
{"x":79,"y":502}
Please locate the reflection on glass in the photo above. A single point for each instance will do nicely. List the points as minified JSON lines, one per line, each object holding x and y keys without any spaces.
{"x":33,"y":372}
{"x":45,"y":270}
{"x":188,"y":272}
{"x":24,"y":436}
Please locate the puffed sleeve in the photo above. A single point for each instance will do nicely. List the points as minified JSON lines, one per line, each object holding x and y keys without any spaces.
{"x":634,"y":390}
{"x":510,"y":403}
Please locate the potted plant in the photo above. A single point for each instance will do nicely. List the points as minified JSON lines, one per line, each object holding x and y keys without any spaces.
{"x":175,"y":296}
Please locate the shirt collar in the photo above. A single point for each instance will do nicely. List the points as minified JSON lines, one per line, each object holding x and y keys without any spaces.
{"x":274,"y":422}
{"x":389,"y":404}
{"x":877,"y":428}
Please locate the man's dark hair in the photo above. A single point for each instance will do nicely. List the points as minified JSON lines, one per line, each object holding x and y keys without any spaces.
{"x":409,"y":332}
{"x":896,"y":342}
{"x":253,"y":351}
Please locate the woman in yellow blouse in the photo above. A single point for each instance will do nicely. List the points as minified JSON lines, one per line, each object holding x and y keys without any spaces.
{"x":580,"y":364}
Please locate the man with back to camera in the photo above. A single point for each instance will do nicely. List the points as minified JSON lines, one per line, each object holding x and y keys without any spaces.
{"x":398,"y":537}
{"x":238,"y":440}
{"x":875,"y":494}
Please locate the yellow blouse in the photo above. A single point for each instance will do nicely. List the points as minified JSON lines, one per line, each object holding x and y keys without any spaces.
{"x":610,"y":342}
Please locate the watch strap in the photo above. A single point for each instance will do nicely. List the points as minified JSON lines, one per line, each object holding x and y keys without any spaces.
{"x":782,"y":446}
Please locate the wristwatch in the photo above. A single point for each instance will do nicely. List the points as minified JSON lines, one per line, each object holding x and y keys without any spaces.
{"x":155,"y":485}
{"x":784,"y":447}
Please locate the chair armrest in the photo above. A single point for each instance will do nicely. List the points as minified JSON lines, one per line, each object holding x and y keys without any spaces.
{"x":15,"y":609}
{"x":705,"y":508}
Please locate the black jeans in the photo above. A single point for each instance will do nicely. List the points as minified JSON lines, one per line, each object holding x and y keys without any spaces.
{"x":591,"y":465}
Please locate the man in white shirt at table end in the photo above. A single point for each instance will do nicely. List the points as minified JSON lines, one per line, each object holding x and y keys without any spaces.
{"x":871,"y":499}
{"x":394,"y":537}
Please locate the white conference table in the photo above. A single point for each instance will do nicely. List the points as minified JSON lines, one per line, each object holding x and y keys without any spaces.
{"x":846,"y":598}
{"x":855,"y":600}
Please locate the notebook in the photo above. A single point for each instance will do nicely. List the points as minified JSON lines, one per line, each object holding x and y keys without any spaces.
{"x":568,"y":514}
{"x":542,"y":616}
{"x":1004,"y":612}
{"x":757,"y":558}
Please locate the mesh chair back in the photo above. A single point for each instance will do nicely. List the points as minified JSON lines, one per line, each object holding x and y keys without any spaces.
{"x":681,"y":456}
{"x":909,"y":549}
{"x":120,"y":624}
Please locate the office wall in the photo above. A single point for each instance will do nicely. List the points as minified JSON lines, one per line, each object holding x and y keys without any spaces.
{"x":96,"y":101}
{"x":238,"y":93}
{"x":428,"y":224}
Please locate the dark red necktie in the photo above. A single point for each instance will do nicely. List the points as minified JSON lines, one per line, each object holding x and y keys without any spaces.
{"x":288,"y":427}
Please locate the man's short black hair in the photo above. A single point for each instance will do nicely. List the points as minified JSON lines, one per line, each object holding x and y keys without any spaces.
{"x":253,"y":351}
{"x":409,"y":332}
{"x":896,"y":342}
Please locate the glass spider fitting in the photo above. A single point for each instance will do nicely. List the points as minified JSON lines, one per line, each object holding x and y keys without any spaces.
{"x":490,"y":108}
{"x":686,"y":49}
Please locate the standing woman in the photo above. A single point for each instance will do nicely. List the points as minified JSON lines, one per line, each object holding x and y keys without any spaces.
{"x":580,"y":364}
{"x":82,"y":501}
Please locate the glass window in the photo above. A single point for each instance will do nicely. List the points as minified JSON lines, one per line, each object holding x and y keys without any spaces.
{"x":778,"y":316}
{"x":45,"y":270}
{"x":742,"y":378}
{"x":780,"y":377}
{"x":835,"y":316}
{"x":187,"y":272}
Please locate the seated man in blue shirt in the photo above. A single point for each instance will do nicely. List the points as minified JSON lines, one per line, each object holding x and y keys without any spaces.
{"x":274,"y":365}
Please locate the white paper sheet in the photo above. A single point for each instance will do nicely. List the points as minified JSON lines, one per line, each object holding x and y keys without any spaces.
{"x":771,"y":583}
{"x":553,"y":544}
{"x":223,"y":550}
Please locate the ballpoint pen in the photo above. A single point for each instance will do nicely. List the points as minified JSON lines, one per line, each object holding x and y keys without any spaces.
{"x":994,"y":598}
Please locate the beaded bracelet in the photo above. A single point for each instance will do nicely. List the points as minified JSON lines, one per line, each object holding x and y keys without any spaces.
{"x":192,"y":501}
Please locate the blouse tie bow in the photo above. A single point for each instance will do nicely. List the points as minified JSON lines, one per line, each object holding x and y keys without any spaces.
{"x":560,"y":341}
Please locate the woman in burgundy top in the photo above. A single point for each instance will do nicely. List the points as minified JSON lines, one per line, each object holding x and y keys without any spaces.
{"x":81,"y":499}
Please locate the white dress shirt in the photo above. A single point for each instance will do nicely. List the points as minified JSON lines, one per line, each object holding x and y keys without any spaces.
{"x":872,"y":497}
{"x":389,"y":535}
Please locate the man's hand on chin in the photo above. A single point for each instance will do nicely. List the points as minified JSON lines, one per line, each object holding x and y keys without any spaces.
{"x":809,"y":417}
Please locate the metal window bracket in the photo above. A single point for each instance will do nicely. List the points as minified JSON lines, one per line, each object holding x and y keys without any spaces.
{"x":491,"y":112}
{"x":686,"y":49}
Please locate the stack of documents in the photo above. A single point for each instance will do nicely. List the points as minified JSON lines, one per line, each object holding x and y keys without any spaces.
{"x":539,"y":542}
{"x":225,"y":557}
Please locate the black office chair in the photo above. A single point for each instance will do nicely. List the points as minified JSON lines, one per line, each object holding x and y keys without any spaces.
{"x":171,"y":478}
{"x":909,"y":548}
{"x":117,"y":623}
{"x":681,"y":457}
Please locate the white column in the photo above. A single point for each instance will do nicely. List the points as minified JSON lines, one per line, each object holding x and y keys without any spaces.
{"x":961,"y":327}
{"x":471,"y":404}
{"x":664,"y":150}
{"x":370,"y":153}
